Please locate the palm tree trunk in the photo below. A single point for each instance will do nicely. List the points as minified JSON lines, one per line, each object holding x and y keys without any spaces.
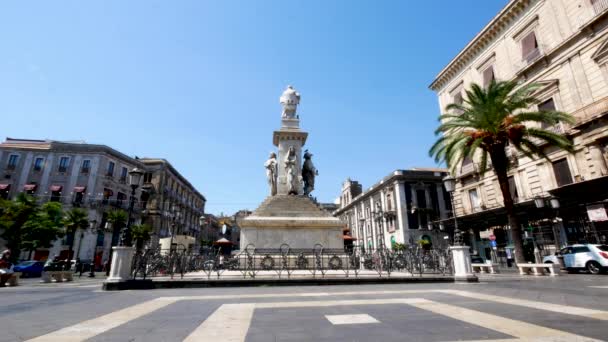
{"x":501,"y":165}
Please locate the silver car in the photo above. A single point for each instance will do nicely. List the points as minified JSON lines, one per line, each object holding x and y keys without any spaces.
{"x":593,"y":258}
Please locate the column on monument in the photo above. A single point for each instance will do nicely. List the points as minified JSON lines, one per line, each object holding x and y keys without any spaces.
{"x":429,"y":205}
{"x":401,"y":208}
{"x":384,"y":226}
{"x":442,"y":209}
{"x":372,"y":223}
{"x":356,"y":224}
{"x":414,"y":204}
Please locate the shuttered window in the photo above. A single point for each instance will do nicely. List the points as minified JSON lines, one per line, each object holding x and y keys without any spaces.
{"x":488,"y":76}
{"x":529,"y":44}
{"x":547,"y":106}
{"x":562,"y":172}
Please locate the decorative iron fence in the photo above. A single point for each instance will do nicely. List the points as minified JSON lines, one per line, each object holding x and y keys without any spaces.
{"x":287,"y":262}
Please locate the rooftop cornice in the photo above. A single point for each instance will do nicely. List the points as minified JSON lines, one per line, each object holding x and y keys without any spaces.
{"x":480,"y":42}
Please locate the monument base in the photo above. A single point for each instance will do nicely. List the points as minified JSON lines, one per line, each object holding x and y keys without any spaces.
{"x":295,"y":237}
{"x":293,"y":220}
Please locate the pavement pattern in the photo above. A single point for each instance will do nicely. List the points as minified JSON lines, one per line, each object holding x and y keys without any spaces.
{"x":499,"y":308}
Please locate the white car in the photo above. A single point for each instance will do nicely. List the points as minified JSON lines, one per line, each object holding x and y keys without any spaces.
{"x":593,"y":258}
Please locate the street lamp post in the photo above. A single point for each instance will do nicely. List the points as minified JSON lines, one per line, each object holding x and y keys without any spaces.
{"x":449,"y":183}
{"x":92,"y":265}
{"x":176,"y":215}
{"x":134,"y":180}
{"x":378,"y":216}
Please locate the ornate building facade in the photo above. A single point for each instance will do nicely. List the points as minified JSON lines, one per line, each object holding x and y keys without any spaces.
{"x":95,"y":177}
{"x":562,"y":45}
{"x":404,"y":207}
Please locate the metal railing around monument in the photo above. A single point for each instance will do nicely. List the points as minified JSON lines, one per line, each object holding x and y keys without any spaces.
{"x":291,"y":262}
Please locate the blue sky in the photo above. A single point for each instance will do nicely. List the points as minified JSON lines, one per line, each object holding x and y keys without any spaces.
{"x":198,"y":82}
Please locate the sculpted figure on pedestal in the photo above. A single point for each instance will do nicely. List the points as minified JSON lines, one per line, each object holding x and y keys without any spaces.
{"x":289,"y":101}
{"x":308,"y":173}
{"x":271,"y":173}
{"x":291,"y":170}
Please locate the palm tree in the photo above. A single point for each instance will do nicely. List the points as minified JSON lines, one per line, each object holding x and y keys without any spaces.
{"x":489,"y":121}
{"x":75,"y":218}
{"x":118,"y":219}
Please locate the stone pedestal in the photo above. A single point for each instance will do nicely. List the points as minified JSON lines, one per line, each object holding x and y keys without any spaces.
{"x":122,"y":260}
{"x":288,"y":136}
{"x":463,"y":271}
{"x":293,"y":220}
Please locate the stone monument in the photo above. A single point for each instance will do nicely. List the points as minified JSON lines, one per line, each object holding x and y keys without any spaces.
{"x":289,"y":215}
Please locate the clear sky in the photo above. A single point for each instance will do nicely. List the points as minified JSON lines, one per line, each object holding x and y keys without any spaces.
{"x":198,"y":82}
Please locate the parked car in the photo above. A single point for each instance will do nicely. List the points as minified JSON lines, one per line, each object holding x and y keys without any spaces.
{"x":30,"y":268}
{"x":593,"y":258}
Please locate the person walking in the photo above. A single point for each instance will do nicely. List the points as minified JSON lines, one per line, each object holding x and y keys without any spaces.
{"x":6,"y":267}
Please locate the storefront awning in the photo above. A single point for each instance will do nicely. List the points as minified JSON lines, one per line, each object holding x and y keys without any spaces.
{"x":30,"y":187}
{"x":56,"y":188}
{"x":5,"y":187}
{"x":78,"y":189}
{"x":589,"y":191}
{"x":491,"y":217}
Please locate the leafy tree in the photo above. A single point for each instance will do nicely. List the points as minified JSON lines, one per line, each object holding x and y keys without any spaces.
{"x":13,"y":215}
{"x":75,"y":219}
{"x":141,"y":233}
{"x":486,"y":123}
{"x":42,"y":228}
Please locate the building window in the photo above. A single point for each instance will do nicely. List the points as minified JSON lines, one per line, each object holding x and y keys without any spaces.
{"x":107,"y":193}
{"x":110,"y":170}
{"x":474,"y":199}
{"x":562,"y":172}
{"x":38,"y":163}
{"x":148,"y":177}
{"x":488,"y":76}
{"x":123,"y":175}
{"x":599,"y":6}
{"x":513,"y":188}
{"x":529,"y":47}
{"x":63,"y":164}
{"x":546,"y":106}
{"x":120,"y":198}
{"x":458,"y":99}
{"x":12,"y":162}
{"x":86,"y":166}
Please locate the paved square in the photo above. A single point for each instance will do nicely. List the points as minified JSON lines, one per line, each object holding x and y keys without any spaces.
{"x":351,"y":319}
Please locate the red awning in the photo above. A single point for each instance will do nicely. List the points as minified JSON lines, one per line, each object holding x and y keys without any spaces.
{"x":56,"y":188}
{"x":5,"y":186}
{"x":80,"y":189}
{"x":348,"y":237}
{"x":30,"y":187}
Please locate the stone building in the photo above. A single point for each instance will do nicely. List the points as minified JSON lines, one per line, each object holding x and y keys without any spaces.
{"x":404,"y":207}
{"x":562,"y":45}
{"x":94,"y":177}
{"x":172,"y":205}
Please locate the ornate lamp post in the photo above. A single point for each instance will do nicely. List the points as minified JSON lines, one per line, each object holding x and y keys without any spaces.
{"x":460,"y":253}
{"x":92,"y":266}
{"x":379,"y":216}
{"x":135,"y":176}
{"x":449,"y":183}
{"x":122,"y":258}
{"x":176,"y":216}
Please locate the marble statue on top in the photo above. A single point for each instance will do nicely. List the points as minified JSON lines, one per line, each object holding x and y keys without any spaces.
{"x":309,"y":172}
{"x":271,"y":173}
{"x":291,"y":171}
{"x":289,"y":101}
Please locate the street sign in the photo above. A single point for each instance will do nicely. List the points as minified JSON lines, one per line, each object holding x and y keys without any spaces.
{"x":492,"y":237}
{"x":493,"y":243}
